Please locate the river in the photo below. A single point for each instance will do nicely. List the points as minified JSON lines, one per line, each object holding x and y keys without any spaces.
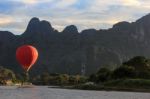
{"x":43,"y":92}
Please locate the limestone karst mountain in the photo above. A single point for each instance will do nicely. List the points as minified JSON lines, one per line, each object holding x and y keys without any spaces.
{"x":68,"y":51}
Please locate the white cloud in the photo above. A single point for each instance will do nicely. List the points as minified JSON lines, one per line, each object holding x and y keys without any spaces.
{"x":5,"y":20}
{"x":64,"y":3}
{"x":98,"y":14}
{"x":32,"y":1}
{"x":130,"y":2}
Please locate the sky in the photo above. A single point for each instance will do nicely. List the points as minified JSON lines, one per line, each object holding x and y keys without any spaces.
{"x":85,"y":14}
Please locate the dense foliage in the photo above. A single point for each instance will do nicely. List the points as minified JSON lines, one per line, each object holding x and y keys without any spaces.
{"x":6,"y":75}
{"x":58,"y":79}
{"x":135,"y":68}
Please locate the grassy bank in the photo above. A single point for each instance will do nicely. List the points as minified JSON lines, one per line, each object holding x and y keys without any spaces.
{"x":137,"y":85}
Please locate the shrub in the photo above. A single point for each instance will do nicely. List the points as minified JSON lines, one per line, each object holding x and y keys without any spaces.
{"x":103,"y":75}
{"x":124,"y":72}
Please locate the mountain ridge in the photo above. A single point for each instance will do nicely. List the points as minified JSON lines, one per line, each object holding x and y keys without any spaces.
{"x":68,"y":51}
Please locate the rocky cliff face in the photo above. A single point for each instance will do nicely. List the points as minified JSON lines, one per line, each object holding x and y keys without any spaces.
{"x":69,"y":50}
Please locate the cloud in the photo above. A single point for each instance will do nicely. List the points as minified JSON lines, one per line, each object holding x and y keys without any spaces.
{"x":83,"y":13}
{"x":64,"y":3}
{"x":131,"y":2}
{"x":32,"y":1}
{"x":4,"y":21}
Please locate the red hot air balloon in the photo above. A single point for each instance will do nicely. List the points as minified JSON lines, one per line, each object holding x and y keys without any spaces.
{"x":26,"y":55}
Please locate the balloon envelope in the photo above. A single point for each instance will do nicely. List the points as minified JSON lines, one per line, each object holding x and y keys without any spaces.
{"x":26,"y":55}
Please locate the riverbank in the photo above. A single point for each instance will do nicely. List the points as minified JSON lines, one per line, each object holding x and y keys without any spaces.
{"x":104,"y":88}
{"x":128,"y":85}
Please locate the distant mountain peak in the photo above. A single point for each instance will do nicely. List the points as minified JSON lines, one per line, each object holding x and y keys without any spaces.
{"x":144,"y":19}
{"x":44,"y":22}
{"x":70,"y":29}
{"x":37,"y":26}
{"x":35,"y":19}
{"x":45,"y":25}
{"x":122,"y":25}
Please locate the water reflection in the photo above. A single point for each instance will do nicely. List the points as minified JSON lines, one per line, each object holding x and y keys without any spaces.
{"x":43,"y":92}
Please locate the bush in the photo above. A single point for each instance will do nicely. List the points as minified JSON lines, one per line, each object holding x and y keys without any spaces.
{"x":93,"y":78}
{"x":129,"y":83}
{"x":5,"y":75}
{"x":143,"y":74}
{"x":103,"y":75}
{"x":124,"y":72}
{"x":140,"y":63}
{"x":89,"y":87}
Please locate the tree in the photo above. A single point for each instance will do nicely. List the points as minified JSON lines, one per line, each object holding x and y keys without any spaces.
{"x":143,"y":74}
{"x":64,"y":79}
{"x":83,"y":79}
{"x":72,"y":79}
{"x":45,"y":78}
{"x":124,"y":72}
{"x":140,"y":63}
{"x":103,"y":74}
{"x":93,"y":78}
{"x":5,"y":75}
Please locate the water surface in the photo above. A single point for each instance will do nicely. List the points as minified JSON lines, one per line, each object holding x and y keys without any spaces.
{"x":43,"y":92}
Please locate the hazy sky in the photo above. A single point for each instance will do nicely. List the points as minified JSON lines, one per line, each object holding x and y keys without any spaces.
{"x":98,"y":14}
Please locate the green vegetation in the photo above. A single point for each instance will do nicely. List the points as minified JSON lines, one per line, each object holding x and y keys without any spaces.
{"x":123,"y":72}
{"x":58,"y":79}
{"x":136,"y":68}
{"x":6,"y":76}
{"x":132,"y":75}
{"x":101,"y":76}
{"x":129,"y":83}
